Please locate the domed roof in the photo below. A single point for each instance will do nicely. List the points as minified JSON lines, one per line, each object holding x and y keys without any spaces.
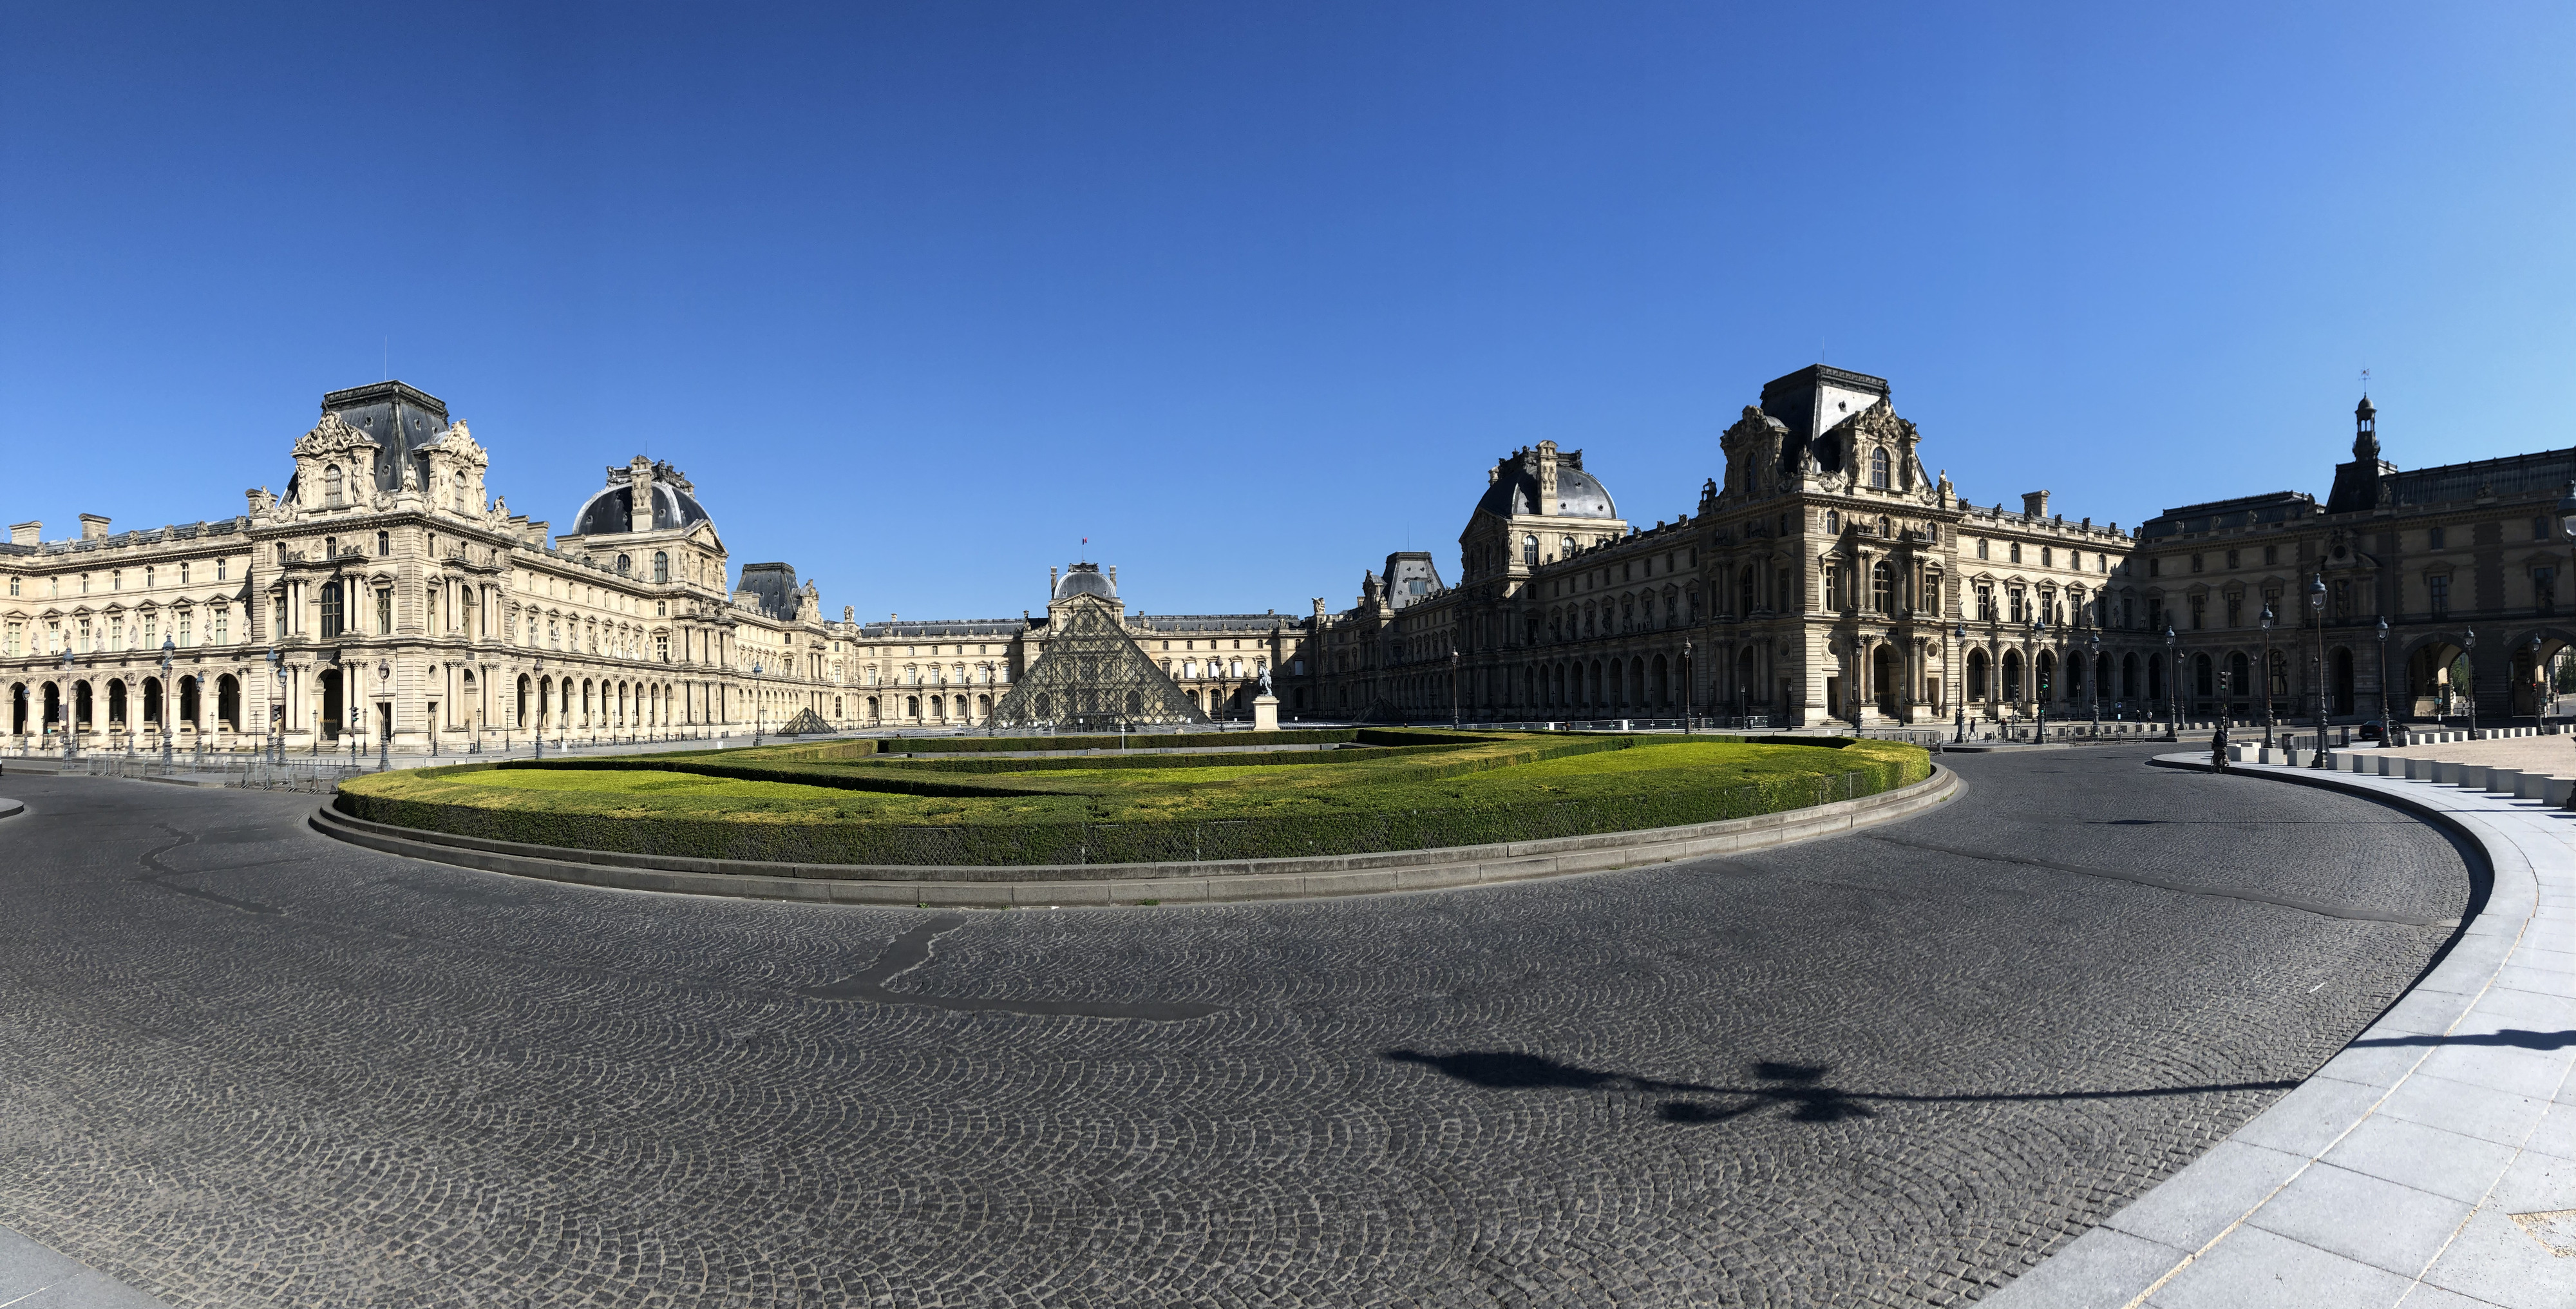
{"x":1084,"y":579}
{"x":1578,"y":494}
{"x":611,"y":512}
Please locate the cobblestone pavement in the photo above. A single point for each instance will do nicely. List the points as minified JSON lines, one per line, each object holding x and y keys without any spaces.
{"x":243,"y":1065}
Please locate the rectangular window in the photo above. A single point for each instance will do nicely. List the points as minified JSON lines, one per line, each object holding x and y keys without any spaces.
{"x":2016,"y":552}
{"x":116,"y":633}
{"x":223,"y":627}
{"x":1982,"y":545}
{"x":2020,"y":605}
{"x":17,"y":633}
{"x":2433,"y":538}
{"x":2199,"y":612}
{"x":2231,"y":561}
{"x":384,"y":611}
{"x":2235,"y":610}
{"x":2195,"y":563}
{"x":85,"y":646}
{"x":2438,"y":589}
{"x":2544,"y":589}
{"x":220,"y":570}
{"x":2540,"y":529}
{"x":2156,"y":567}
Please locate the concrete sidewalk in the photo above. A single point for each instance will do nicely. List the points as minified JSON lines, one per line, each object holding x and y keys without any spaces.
{"x":2432,"y":1162}
{"x":35,"y":1276}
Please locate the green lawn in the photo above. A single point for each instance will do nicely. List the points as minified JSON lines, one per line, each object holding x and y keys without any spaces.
{"x":830,"y":804}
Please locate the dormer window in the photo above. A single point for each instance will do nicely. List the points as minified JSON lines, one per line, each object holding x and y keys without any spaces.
{"x":1878,"y":470}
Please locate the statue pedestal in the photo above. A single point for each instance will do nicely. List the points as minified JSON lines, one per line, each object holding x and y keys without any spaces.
{"x":1265,"y":713}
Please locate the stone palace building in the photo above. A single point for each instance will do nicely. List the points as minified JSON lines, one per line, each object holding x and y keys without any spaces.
{"x":389,"y":596}
{"x":1825,"y":578}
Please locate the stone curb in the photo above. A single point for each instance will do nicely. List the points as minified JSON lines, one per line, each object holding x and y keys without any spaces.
{"x":2438,"y":1149}
{"x":10,"y":808}
{"x":1266,"y":879}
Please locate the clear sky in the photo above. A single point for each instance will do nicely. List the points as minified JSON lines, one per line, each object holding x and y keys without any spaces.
{"x":1251,"y":294}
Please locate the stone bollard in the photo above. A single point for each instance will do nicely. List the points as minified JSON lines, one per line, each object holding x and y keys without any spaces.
{"x":2445,"y":773}
{"x":2472,"y":777}
{"x":2508,"y":781}
{"x":2421,"y":770}
{"x":2555,"y":790}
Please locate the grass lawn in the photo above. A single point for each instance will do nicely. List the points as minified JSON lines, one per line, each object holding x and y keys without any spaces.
{"x":1502,"y":786}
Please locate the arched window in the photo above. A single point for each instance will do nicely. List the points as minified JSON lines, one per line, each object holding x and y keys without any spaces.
{"x":624,"y":565}
{"x":1567,"y":549}
{"x":1529,"y":549}
{"x":1878,"y":469}
{"x":1833,"y":522}
{"x":384,"y":544}
{"x":661,"y":565}
{"x":460,"y":490}
{"x":331,"y":484}
{"x":1882,"y":587}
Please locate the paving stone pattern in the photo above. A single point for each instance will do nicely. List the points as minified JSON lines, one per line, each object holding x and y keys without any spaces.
{"x":244,"y":1065}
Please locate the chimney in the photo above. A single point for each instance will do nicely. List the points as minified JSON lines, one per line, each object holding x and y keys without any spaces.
{"x":26,"y":533}
{"x":2034,"y":504}
{"x":1547,"y":477}
{"x":93,"y":527}
{"x":639,"y":477}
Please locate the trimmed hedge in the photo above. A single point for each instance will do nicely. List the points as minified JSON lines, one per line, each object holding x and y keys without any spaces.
{"x":1132,"y":741}
{"x":1079,"y":841}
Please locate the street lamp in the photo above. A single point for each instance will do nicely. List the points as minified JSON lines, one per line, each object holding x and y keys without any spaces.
{"x":2468,"y":655}
{"x":70,"y":698}
{"x":1959,"y":680}
{"x":2038,"y":684}
{"x":2173,"y":685}
{"x":539,"y":669}
{"x":2317,"y":613}
{"x":1690,"y":695}
{"x":1453,"y":686}
{"x":2093,"y":678}
{"x":2537,"y":721}
{"x":2387,"y":725}
{"x":168,"y":701}
{"x":2267,"y":675}
{"x":755,"y":705}
{"x":277,"y":712}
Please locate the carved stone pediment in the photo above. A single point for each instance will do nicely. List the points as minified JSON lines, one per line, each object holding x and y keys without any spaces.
{"x":334,"y":436}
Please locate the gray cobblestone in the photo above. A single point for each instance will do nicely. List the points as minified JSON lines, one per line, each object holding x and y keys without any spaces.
{"x":241,"y":1064}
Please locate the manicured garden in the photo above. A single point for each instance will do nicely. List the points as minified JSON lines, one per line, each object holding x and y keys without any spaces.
{"x":1377,"y":789}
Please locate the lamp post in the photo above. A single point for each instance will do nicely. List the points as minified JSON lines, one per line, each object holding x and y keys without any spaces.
{"x":2173,"y":685}
{"x":2267,"y":676}
{"x":277,"y":712}
{"x":1453,"y":686}
{"x":71,"y":700}
{"x":2317,"y":615}
{"x":755,"y":705}
{"x":1959,"y":681}
{"x":1690,"y":695}
{"x":2537,"y":721}
{"x":2468,"y":655}
{"x":2039,"y":685}
{"x":2093,"y":678}
{"x":2387,"y":725}
{"x":168,"y":701}
{"x":538,"y":669}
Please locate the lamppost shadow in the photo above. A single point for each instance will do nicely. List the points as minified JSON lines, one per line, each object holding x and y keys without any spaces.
{"x":1801,"y":1090}
{"x":2515,"y":1037}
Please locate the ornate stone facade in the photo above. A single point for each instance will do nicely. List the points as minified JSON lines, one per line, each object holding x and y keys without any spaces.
{"x":1827,"y":578}
{"x":387,"y":596}
{"x":2462,"y":561}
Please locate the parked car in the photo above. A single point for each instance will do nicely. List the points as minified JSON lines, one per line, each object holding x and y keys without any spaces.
{"x":2370,"y":731}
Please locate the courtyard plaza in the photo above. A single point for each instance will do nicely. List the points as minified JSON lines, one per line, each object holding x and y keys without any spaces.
{"x":244,"y":1065}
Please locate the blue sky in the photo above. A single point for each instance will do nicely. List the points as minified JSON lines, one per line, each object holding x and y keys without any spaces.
{"x":1252,"y":294}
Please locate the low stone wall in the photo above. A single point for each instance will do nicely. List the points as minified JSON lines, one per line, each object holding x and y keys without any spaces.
{"x":2519,"y":782}
{"x":1105,"y":884}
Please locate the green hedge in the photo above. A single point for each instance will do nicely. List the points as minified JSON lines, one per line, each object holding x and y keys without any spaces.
{"x":1132,"y":741}
{"x":1084,"y":841}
